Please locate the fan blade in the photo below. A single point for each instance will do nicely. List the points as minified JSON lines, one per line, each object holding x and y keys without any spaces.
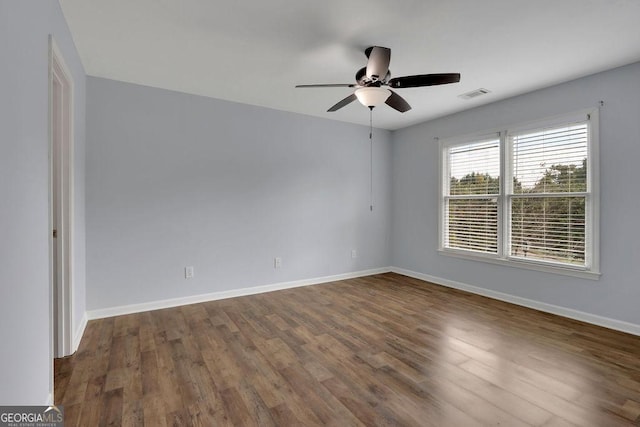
{"x":424,"y":80}
{"x":348,"y":100}
{"x":378,"y":64}
{"x":397,"y":102}
{"x":330,"y":85}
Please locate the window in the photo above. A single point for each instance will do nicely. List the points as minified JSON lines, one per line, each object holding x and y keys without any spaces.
{"x":524,"y":196}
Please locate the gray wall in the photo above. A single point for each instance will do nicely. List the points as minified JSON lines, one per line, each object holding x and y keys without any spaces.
{"x":415,"y":195}
{"x":176,"y":180}
{"x":25,"y":357}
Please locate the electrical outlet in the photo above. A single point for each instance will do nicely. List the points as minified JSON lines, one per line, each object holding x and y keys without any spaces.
{"x":277,"y":262}
{"x":354,"y":254}
{"x":188,"y":272}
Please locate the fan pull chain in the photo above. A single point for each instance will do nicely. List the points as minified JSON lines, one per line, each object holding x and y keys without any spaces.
{"x":371,"y":159}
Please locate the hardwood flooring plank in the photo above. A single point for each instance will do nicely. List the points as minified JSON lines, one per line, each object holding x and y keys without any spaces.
{"x":284,"y":416}
{"x":132,"y":413}
{"x":111,"y":412}
{"x":153,"y":411}
{"x":95,"y":387}
{"x":515,"y":405}
{"x":237,"y":410}
{"x":255,"y":404}
{"x":91,"y":413}
{"x":72,"y":414}
{"x":323,"y":404}
{"x":565,"y":409}
{"x":362,"y":410}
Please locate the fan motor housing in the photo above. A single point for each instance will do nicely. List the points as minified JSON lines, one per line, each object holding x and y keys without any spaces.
{"x":362,"y":80}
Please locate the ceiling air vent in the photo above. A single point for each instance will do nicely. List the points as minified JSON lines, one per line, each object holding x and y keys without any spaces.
{"x":474,"y":93}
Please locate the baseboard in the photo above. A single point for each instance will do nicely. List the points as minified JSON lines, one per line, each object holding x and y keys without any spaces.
{"x":606,"y":322}
{"x":77,"y":336}
{"x":194,"y":299}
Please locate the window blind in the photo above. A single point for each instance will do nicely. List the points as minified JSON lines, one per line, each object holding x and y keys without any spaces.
{"x":546,"y":223}
{"x":471,"y":212}
{"x":551,"y":160}
{"x":473,"y":224}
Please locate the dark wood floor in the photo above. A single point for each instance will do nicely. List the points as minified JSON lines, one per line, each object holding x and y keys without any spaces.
{"x":380,"y":350}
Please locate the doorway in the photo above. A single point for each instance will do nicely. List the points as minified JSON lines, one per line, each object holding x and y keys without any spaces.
{"x":60,"y":200}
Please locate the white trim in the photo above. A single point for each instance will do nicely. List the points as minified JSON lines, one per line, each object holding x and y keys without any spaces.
{"x":593,"y":185}
{"x":618,"y":325}
{"x":77,"y":336}
{"x":232,"y":293}
{"x":52,"y":300}
{"x":49,"y":400}
{"x":58,"y":69}
{"x":504,"y":217}
{"x":547,"y":267}
{"x":443,"y":161}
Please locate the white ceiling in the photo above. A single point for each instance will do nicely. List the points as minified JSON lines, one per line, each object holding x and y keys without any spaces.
{"x":256,"y":51}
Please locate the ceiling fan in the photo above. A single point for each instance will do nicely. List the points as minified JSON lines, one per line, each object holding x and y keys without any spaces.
{"x":371,"y":78}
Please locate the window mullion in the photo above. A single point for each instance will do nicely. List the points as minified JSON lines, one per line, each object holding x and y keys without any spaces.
{"x":504,"y":200}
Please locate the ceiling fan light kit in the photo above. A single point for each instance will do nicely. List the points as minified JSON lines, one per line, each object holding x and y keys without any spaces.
{"x":371,"y":78}
{"x":372,"y":96}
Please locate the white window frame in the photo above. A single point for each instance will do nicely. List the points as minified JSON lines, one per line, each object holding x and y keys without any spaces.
{"x":591,"y":269}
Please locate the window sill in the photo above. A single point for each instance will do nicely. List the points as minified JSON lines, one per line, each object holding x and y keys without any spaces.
{"x":566,"y":271}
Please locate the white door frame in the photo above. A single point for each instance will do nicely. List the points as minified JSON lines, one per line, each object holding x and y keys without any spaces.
{"x":60,"y":210}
